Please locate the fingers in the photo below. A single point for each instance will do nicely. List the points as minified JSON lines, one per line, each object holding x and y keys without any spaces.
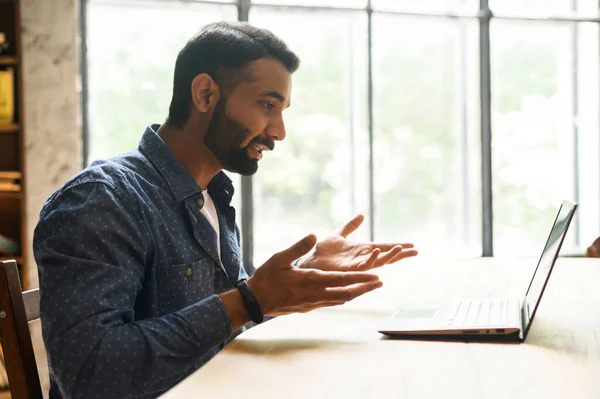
{"x":403,"y":255}
{"x":388,"y":246}
{"x":351,"y":226}
{"x":338,"y":279}
{"x":392,"y":256}
{"x":307,"y":289}
{"x":386,"y":257}
{"x":370,"y":262}
{"x":297,"y":250}
{"x":333,"y":296}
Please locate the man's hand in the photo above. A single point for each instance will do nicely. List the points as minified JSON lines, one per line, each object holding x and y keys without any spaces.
{"x":336,"y":253}
{"x":594,"y":250}
{"x":281,"y":288}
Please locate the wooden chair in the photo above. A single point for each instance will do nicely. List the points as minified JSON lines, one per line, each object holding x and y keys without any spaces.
{"x":17,"y":309}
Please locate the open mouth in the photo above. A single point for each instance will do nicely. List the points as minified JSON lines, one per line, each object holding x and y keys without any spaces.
{"x":256,"y":150}
{"x":260,"y":148}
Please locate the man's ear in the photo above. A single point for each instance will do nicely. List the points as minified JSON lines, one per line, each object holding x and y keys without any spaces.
{"x":205,"y":93}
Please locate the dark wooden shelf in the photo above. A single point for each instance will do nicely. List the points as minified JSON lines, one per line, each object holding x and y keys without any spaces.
{"x":12,"y":141}
{"x":11,"y":195}
{"x":8,"y":60}
{"x":18,"y":258}
{"x":10,"y":128}
{"x":10,"y":174}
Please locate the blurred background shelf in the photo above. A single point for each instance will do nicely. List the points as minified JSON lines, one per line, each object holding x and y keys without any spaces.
{"x":8,"y":60}
{"x":12,"y":141}
{"x":10,"y":174}
{"x":11,"y":195}
{"x":9,"y":128}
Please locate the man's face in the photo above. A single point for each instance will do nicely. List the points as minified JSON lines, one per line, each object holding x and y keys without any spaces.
{"x":250,"y":119}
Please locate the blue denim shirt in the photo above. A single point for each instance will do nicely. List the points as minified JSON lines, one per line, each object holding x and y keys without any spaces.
{"x":129,"y":275}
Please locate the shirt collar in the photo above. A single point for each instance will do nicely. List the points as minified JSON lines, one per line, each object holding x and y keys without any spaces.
{"x":180,"y":181}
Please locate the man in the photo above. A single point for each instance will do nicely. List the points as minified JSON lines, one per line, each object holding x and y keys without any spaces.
{"x":140,"y":271}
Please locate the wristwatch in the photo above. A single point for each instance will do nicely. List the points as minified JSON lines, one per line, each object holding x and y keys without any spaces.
{"x":250,"y":301}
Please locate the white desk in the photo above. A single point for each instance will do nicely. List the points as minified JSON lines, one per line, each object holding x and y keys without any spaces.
{"x":338,"y":353}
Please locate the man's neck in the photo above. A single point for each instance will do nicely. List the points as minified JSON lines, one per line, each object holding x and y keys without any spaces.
{"x":189,"y":148}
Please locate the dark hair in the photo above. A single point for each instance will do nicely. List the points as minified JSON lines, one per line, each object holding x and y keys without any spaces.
{"x":223,"y":50}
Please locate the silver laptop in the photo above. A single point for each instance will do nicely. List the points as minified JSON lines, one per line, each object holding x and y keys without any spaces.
{"x":483,"y":319}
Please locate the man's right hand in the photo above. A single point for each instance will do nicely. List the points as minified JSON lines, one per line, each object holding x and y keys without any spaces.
{"x":594,"y":250}
{"x":281,"y":288}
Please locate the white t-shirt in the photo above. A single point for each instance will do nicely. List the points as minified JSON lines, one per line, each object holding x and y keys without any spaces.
{"x":210,"y":212}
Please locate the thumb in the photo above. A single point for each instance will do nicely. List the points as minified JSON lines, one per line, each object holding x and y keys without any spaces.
{"x":297,"y":250}
{"x":351,"y":226}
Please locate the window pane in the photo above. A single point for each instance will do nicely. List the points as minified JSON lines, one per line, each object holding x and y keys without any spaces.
{"x":316,"y":3}
{"x":543,"y":7}
{"x":534,"y":144}
{"x":427,"y":152}
{"x":433,"y":6}
{"x":316,"y":179}
{"x":131,"y":56}
{"x":588,"y":125}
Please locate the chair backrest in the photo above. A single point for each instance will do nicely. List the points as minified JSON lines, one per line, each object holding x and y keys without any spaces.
{"x":17,"y":309}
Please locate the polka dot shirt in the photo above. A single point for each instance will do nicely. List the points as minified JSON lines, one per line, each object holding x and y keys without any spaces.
{"x":130,"y":275}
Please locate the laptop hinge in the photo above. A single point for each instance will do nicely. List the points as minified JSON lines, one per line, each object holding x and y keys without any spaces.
{"x":524,"y":319}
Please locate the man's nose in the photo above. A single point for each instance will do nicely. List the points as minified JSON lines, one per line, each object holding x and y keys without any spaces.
{"x":276,"y":130}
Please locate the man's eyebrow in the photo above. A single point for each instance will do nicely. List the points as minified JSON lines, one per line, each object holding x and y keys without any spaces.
{"x":276,"y":95}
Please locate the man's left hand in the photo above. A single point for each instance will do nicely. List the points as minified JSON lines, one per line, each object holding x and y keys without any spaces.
{"x":336,"y":253}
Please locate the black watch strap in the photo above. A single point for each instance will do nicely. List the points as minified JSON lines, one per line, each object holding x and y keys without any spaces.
{"x":250,"y":301}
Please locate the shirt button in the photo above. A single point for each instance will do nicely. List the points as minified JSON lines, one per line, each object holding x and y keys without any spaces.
{"x":218,"y":269}
{"x":200,"y":202}
{"x":189,"y":271}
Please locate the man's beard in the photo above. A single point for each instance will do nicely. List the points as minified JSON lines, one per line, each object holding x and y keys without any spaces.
{"x":224,"y":137}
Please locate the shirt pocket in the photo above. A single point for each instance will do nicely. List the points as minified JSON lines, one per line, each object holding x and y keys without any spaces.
{"x":180,"y":286}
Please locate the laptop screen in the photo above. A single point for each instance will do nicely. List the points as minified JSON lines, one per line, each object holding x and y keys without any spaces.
{"x":546,"y":262}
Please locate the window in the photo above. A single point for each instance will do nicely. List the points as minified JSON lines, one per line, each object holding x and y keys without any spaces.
{"x":131,"y":51}
{"x":545,"y":129}
{"x":447,"y":122}
{"x":317,"y":178}
{"x":426,"y":133}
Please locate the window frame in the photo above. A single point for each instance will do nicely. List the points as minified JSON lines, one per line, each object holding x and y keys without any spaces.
{"x":483,"y":15}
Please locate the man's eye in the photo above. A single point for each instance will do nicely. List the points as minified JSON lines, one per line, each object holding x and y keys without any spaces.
{"x":267,"y":105}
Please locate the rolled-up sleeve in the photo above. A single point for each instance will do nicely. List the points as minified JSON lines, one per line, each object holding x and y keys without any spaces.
{"x":91,"y":246}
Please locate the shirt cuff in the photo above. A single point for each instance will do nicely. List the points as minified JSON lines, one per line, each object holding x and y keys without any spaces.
{"x":209,"y":320}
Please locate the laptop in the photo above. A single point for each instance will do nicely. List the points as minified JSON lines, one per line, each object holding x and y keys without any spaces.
{"x":484,"y":319}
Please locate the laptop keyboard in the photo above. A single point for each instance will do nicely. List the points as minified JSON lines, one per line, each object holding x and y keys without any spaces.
{"x":477,"y":313}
